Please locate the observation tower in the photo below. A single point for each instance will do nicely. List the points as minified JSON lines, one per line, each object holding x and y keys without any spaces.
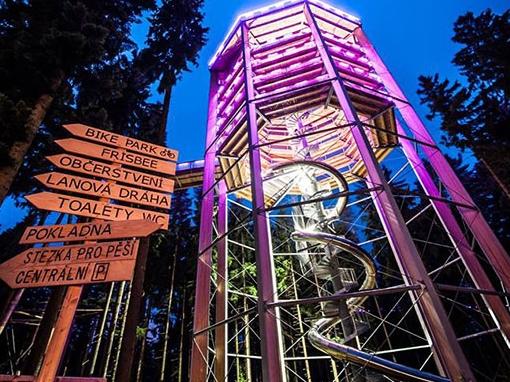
{"x":336,"y":241}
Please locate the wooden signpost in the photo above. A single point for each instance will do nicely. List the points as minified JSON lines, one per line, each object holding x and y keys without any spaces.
{"x":117,"y":140}
{"x":71,"y":265}
{"x":116,"y":155}
{"x":87,"y":186}
{"x":107,"y":171}
{"x":74,"y":205}
{"x":90,"y":261}
{"x":107,"y":230}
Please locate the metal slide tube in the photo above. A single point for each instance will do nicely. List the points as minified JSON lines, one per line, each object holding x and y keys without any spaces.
{"x":318,"y":333}
{"x":436,"y":324}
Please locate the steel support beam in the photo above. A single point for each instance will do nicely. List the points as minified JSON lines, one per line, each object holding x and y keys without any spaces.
{"x":270,"y":330}
{"x":346,"y":295}
{"x":474,"y":219}
{"x":199,"y":350}
{"x":220,"y":367}
{"x":458,"y":289}
{"x":480,"y":278}
{"x":233,"y":318}
{"x":446,"y":346}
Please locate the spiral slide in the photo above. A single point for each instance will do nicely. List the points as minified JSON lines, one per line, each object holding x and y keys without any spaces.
{"x":310,"y":226}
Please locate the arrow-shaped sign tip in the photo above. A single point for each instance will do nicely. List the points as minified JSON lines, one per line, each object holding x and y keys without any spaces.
{"x":53,"y":158}
{"x":41,"y":177}
{"x":34,"y":199}
{"x":71,"y":126}
{"x":29,"y":198}
{"x":63,"y":142}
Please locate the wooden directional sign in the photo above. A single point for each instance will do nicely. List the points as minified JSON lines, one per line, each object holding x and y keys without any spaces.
{"x":110,"y":154}
{"x":87,"y":186}
{"x":117,"y":140}
{"x":71,"y":265}
{"x":103,"y":170}
{"x":91,"y":208}
{"x":107,"y":230}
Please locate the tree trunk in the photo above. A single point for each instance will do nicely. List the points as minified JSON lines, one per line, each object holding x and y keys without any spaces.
{"x":496,"y":178}
{"x":238,"y":364}
{"x":121,"y":333}
{"x":133,"y":315}
{"x":247,"y":342}
{"x":247,"y":337}
{"x":140,"y":360}
{"x":94,"y":326}
{"x":48,"y":320}
{"x":164,"y":118}
{"x":19,"y":149}
{"x":147,"y":319}
{"x":300,"y":323}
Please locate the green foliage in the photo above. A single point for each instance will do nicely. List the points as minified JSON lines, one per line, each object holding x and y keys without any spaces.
{"x":283,"y":276}
{"x":175,"y":38}
{"x":77,"y":52}
{"x":242,"y":376}
{"x":475,"y":113}
{"x":47,"y":43}
{"x":81,"y":53}
{"x":141,"y":332}
{"x":488,"y":197}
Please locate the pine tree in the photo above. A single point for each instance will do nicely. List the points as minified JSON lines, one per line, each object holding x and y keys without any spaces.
{"x":109,"y":88}
{"x":475,"y":112}
{"x":175,"y":38}
{"x":44,"y":45}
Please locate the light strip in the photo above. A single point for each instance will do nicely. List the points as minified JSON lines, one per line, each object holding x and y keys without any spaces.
{"x":264,"y":10}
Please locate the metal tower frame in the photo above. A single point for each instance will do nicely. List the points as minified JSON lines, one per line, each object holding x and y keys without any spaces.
{"x":238,"y":121}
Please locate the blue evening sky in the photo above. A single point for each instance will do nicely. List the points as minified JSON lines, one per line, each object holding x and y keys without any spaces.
{"x":413,"y":37}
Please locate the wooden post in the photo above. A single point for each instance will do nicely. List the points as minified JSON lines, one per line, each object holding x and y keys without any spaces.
{"x":45,"y":330}
{"x":120,"y":270}
{"x":55,"y":350}
{"x":58,"y":340}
